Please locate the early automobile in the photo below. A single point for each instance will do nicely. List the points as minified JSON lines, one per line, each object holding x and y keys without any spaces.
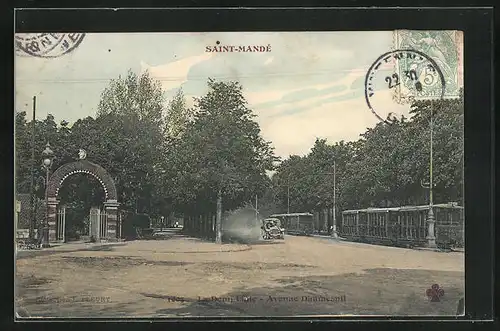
{"x":271,"y":229}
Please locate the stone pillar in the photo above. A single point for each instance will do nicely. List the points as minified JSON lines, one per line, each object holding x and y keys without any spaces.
{"x":111,"y":209}
{"x":431,"y":236}
{"x":51,"y":214}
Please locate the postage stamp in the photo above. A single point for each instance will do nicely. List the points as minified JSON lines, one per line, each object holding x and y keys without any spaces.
{"x":445,"y":48}
{"x":47,"y":45}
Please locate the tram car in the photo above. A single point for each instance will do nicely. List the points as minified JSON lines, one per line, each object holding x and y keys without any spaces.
{"x":296,"y":223}
{"x":404,"y":226}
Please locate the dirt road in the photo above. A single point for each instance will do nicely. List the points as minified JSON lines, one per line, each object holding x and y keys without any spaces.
{"x":188,"y":277}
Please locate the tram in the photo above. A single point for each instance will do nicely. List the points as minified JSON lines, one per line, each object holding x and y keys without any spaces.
{"x":296,"y":223}
{"x":405,"y":226}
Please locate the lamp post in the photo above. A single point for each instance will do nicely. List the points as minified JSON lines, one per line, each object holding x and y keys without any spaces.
{"x":288,"y":196}
{"x":431,"y":237}
{"x":33,"y":199}
{"x":334,"y":229}
{"x":39,"y":235}
{"x":48,"y":158}
{"x":431,"y":221}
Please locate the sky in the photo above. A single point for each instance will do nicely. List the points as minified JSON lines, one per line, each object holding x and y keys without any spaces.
{"x":310,"y":85}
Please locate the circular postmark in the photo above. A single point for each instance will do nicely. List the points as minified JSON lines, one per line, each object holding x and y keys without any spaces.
{"x":47,"y":45}
{"x":399,"y":77}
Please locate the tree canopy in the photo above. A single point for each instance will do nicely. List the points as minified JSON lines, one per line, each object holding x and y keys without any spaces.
{"x":166,"y":157}
{"x":221,"y":149}
{"x":385,"y":167}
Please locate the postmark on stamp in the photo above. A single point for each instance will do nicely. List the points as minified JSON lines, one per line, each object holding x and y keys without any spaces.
{"x":47,"y":45}
{"x":398,"y":77}
{"x":444,"y":48}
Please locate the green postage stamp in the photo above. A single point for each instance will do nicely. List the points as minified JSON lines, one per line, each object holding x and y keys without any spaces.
{"x":445,"y":48}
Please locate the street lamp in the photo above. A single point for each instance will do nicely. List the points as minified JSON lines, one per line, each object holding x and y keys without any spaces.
{"x":334,"y":229}
{"x":431,"y":221}
{"x":288,"y":196}
{"x":47,"y":161}
{"x":38,"y":180}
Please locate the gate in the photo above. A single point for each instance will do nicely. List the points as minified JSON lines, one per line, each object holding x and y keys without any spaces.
{"x":103,"y":225}
{"x":98,"y":224}
{"x":61,"y":224}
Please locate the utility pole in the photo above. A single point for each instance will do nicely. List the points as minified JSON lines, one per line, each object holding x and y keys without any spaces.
{"x":288,"y":196}
{"x":431,"y":237}
{"x":32,"y":186}
{"x":334,"y":229}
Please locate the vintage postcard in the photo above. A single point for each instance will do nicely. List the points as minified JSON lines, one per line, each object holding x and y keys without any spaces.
{"x":239,"y":174}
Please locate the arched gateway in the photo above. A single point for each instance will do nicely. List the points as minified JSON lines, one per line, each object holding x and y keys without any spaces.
{"x":83,"y":166}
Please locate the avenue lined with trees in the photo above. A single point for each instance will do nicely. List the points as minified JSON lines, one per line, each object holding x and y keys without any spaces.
{"x":171,"y":159}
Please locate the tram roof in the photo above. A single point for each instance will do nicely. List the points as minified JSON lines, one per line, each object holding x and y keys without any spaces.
{"x":291,"y":214}
{"x":404,"y":208}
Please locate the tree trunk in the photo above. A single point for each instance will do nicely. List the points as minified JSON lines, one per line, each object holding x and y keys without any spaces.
{"x":325,"y":220}
{"x":218,"y":220}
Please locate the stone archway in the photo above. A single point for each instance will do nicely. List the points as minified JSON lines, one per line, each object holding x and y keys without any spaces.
{"x":83,"y":166}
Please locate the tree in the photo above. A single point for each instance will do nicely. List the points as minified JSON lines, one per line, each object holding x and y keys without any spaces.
{"x":385,"y":167}
{"x":448,"y":145}
{"x":133,"y":96}
{"x":130,"y":138}
{"x":125,"y":138}
{"x":222,"y":154}
{"x":22,"y":153}
{"x":178,"y":116}
{"x":46,"y":131}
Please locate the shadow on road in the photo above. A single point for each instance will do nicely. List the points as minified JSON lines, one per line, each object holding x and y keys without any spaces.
{"x":380,"y":291}
{"x":116,"y":262}
{"x":266,"y":242}
{"x":36,"y":253}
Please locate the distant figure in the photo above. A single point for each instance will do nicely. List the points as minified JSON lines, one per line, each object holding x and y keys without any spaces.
{"x":176,"y":224}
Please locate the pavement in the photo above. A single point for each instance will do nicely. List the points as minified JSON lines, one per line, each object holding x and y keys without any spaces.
{"x":183,"y":276}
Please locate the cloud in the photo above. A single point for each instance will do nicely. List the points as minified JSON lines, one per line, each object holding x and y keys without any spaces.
{"x":284,"y":102}
{"x":261,"y":98}
{"x":295,"y":134}
{"x":340,"y":120}
{"x":174,"y":74}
